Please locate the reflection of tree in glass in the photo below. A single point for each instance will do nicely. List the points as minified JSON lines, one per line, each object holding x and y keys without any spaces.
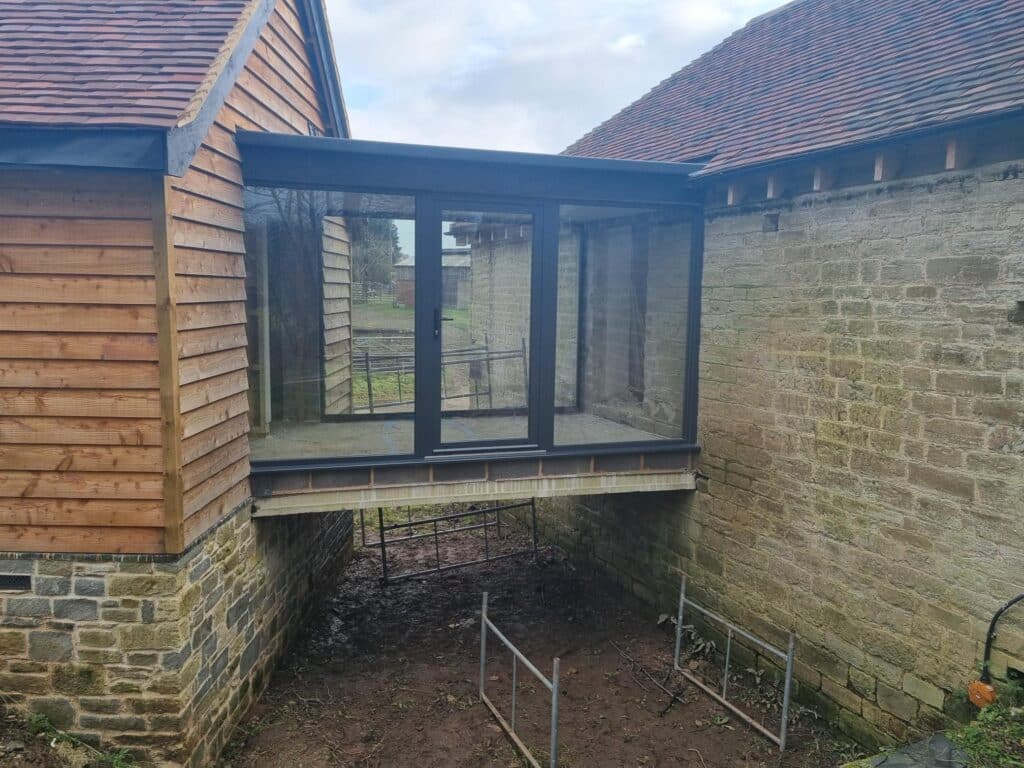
{"x":375,"y":249}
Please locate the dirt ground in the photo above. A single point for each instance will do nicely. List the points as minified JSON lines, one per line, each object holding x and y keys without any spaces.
{"x":388,"y":677}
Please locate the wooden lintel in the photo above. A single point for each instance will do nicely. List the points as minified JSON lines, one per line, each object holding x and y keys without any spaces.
{"x":824,"y":178}
{"x":886,"y":166}
{"x":734,"y":194}
{"x":959,"y":153}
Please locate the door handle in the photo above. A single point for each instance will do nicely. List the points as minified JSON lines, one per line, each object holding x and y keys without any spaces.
{"x":438,"y":319}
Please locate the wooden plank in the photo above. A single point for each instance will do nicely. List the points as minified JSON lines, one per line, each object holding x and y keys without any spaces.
{"x":210,"y":263}
{"x":78,"y":346}
{"x":210,"y":440}
{"x":213,"y":487}
{"x":23,"y":230}
{"x":81,"y":485}
{"x":207,"y":340}
{"x":188,"y":234}
{"x":76,"y":289}
{"x":37,"y":538}
{"x":202,"y":521}
{"x":213,"y":462}
{"x":88,"y":512}
{"x":197,"y":182}
{"x":196,"y":316}
{"x":105,"y":374}
{"x":76,"y":260}
{"x":207,"y":366}
{"x":77,"y":318}
{"x":211,"y":390}
{"x":211,"y":415}
{"x":97,"y":201}
{"x":167,"y":342}
{"x":119,"y":404}
{"x":68,"y":430}
{"x":81,"y":458}
{"x":201,"y":210}
{"x":209,"y":290}
{"x":216,"y":164}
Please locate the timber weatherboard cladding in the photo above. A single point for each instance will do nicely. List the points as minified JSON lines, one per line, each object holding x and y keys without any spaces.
{"x":274,"y":92}
{"x":123,"y":386}
{"x":81,"y":462}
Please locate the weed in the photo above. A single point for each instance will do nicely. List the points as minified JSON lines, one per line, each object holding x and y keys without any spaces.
{"x":995,"y":739}
{"x":40,"y":724}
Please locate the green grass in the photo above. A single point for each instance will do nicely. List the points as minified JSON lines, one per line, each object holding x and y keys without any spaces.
{"x":995,"y":739}
{"x":385,"y":389}
{"x":386,"y":316}
{"x":121,"y":758}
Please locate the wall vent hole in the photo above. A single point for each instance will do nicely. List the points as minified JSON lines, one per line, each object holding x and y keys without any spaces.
{"x":1017,"y":316}
{"x":770,"y":223}
{"x":15,"y":582}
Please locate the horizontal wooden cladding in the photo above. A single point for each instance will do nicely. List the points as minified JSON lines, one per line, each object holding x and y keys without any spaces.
{"x":200,"y":522}
{"x":213,"y":487}
{"x":81,"y":458}
{"x":214,"y":462}
{"x":196,"y":316}
{"x":197,"y":182}
{"x":76,"y":289}
{"x":209,"y":263}
{"x":68,"y":430}
{"x":84,"y":318}
{"x":196,"y":369}
{"x":204,"y":290}
{"x":189,"y":234}
{"x":88,"y":512}
{"x":205,"y":341}
{"x":39,"y":538}
{"x":79,"y":374}
{"x":214,"y":438}
{"x":76,"y":260}
{"x":80,"y":194}
{"x":208,"y":416}
{"x":75,"y":231}
{"x":202,"y":393}
{"x":80,"y":402}
{"x":81,"y":485}
{"x":78,"y":346}
{"x":203,"y":210}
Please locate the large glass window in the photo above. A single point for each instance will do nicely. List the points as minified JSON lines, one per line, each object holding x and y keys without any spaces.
{"x":487,"y":264}
{"x":623,"y":280}
{"x":331,"y":296}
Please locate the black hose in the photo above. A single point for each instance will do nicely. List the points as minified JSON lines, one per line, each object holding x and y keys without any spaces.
{"x":991,"y":636}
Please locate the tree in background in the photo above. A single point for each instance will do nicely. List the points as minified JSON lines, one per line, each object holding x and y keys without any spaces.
{"x":375,"y":249}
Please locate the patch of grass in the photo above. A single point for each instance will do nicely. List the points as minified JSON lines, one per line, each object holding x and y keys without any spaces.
{"x":995,"y":739}
{"x":40,"y":725}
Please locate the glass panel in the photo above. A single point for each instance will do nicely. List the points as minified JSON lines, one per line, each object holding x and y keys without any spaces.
{"x":331,"y":289}
{"x":620,"y":341}
{"x":486,"y":270}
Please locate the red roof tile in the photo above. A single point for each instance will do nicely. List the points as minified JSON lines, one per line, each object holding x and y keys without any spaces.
{"x":108,"y":62}
{"x":820,"y":74}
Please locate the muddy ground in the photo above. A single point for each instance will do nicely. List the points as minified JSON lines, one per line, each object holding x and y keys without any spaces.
{"x":388,"y":677}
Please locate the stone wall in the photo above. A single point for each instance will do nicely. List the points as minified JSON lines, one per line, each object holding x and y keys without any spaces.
{"x":862,"y":423}
{"x":163,"y":655}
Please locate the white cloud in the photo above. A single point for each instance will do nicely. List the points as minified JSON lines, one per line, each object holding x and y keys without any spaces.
{"x":513,"y":74}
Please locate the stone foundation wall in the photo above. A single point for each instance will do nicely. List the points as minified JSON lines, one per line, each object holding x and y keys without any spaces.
{"x":164,"y":655}
{"x":862,"y":424}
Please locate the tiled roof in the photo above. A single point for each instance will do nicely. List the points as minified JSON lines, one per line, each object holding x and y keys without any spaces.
{"x":818,"y":74}
{"x":109,"y":62}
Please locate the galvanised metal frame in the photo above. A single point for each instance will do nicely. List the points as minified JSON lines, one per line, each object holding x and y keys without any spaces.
{"x":383,"y":541}
{"x":443,"y":178}
{"x":786,"y":656}
{"x":517,"y":657}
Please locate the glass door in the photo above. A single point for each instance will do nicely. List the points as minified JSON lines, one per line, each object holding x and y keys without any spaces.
{"x":484,"y":277}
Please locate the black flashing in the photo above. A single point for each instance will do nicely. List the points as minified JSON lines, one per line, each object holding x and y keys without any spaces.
{"x":320,"y":49}
{"x":330,"y":163}
{"x":126,"y":149}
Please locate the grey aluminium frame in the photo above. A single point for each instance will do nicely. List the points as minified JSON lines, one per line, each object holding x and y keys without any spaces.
{"x":539,"y":183}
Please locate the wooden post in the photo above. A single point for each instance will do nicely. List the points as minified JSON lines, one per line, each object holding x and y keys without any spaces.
{"x":824,"y":179}
{"x":959,"y":153}
{"x":165,"y":268}
{"x":772,"y":188}
{"x":734,"y":194}
{"x":886,"y":167}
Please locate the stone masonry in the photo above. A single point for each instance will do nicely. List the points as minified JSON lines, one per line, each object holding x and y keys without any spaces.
{"x":164,"y":655}
{"x":862,"y":424}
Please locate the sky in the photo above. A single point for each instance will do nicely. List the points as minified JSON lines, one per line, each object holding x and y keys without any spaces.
{"x":527,"y":75}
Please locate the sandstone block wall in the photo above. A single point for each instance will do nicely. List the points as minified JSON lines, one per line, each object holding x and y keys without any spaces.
{"x":163,"y":655}
{"x":862,"y":423}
